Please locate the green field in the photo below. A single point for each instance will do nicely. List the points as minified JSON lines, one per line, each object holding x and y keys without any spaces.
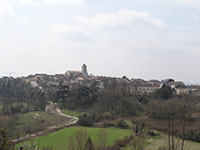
{"x":155,"y":143}
{"x":72,"y":113}
{"x":59,"y":140}
{"x":162,"y":140}
{"x":27,"y":123}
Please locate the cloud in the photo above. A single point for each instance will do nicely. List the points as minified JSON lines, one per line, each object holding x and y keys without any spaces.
{"x":65,"y":2}
{"x":122,"y":18}
{"x":60,"y":29}
{"x":196,"y":17}
{"x":192,"y":3}
{"x":70,"y":32}
{"x":50,"y":2}
{"x":6,"y":8}
{"x":26,"y":2}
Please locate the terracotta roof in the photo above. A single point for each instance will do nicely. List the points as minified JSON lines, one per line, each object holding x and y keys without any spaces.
{"x":74,"y":71}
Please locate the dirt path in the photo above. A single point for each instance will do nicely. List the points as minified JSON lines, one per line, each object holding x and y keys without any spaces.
{"x":73,"y":120}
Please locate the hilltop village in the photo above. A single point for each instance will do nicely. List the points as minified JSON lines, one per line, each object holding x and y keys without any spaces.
{"x":74,"y":78}
{"x":42,"y":104}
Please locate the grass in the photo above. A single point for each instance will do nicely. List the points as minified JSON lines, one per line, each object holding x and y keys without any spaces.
{"x":60,"y":139}
{"x":72,"y":113}
{"x":129,"y":122}
{"x":26,"y":121}
{"x":155,"y":143}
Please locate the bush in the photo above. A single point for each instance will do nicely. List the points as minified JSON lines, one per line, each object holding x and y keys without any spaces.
{"x":193,"y":136}
{"x":85,"y":120}
{"x":122,"y":124}
{"x":107,"y":115}
{"x":114,"y":147}
{"x":108,"y":124}
{"x":164,"y":93}
{"x":123,"y":142}
{"x":152,"y":133}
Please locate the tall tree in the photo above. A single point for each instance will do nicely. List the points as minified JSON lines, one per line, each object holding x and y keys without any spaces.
{"x":4,"y":141}
{"x":62,"y":94}
{"x":102,"y":139}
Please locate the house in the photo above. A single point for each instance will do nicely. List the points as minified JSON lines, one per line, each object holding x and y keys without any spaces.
{"x":180,"y":89}
{"x":34,"y":84}
{"x":154,"y":82}
{"x":147,"y":89}
{"x":178,"y":86}
{"x":166,"y":82}
{"x":73,"y":74}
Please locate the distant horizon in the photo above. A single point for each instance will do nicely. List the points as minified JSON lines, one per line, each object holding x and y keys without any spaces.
{"x":14,"y":75}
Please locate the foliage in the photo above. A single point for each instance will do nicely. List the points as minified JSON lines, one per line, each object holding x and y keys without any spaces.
{"x":173,"y":108}
{"x":89,"y":144}
{"x":102,"y":140}
{"x":73,"y":113}
{"x":121,"y":124}
{"x":34,"y":146}
{"x":193,"y":136}
{"x":163,"y":93}
{"x":5,"y":144}
{"x":161,"y":142}
{"x":107,"y":103}
{"x":76,"y":98}
{"x":37,"y":121}
{"x":85,"y":120}
{"x":108,"y":124}
{"x":137,"y":143}
{"x":123,"y":142}
{"x":17,"y":96}
{"x":62,"y":95}
{"x":80,"y":141}
{"x":61,"y":139}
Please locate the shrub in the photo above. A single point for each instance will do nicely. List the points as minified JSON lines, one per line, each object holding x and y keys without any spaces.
{"x":85,"y":120}
{"x":123,"y":142}
{"x":114,"y":147}
{"x":122,"y":124}
{"x":107,"y":115}
{"x":108,"y":124}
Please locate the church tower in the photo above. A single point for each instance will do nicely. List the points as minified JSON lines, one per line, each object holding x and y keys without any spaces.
{"x":84,"y":70}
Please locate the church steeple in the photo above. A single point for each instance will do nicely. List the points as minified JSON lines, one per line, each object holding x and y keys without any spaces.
{"x":84,"y":70}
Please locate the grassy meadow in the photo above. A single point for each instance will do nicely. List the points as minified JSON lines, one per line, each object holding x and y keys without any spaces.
{"x":27,"y":123}
{"x":72,"y":113}
{"x":60,"y":139}
{"x":155,"y":143}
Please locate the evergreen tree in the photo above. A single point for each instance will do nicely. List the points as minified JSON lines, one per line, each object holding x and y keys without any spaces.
{"x":89,"y":144}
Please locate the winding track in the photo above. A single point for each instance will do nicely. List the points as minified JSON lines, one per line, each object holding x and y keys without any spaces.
{"x":73,"y":120}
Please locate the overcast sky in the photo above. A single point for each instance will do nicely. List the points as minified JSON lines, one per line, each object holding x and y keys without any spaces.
{"x":149,"y":39}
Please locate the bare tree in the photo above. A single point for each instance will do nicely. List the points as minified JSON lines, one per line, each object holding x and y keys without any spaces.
{"x":4,"y":141}
{"x":137,"y":143}
{"x":101,"y":141}
{"x":78,"y":142}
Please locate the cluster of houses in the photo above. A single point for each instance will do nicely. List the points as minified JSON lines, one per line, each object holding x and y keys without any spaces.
{"x":77,"y":78}
{"x":71,"y":78}
{"x":177,"y":86}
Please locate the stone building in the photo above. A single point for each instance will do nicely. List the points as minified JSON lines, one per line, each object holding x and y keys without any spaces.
{"x":147,"y":89}
{"x":84,"y":70}
{"x":77,"y":74}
